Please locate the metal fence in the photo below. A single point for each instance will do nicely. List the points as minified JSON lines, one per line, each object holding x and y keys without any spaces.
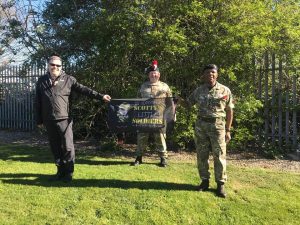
{"x":17,"y":90}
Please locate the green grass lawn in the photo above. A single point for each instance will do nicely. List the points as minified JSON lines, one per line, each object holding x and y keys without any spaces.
{"x":109,"y":191}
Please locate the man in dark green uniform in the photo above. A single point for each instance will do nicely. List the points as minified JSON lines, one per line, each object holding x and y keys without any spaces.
{"x":212,"y":129}
{"x":52,"y":110}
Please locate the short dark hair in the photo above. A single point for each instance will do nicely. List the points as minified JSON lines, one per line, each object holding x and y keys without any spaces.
{"x":54,"y":57}
{"x":210,"y":67}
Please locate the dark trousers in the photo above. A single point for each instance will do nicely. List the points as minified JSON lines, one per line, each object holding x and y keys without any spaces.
{"x":60,"y":135}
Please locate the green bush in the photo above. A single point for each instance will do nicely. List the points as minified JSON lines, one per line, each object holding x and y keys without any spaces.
{"x":183,"y":134}
{"x":246,"y":121}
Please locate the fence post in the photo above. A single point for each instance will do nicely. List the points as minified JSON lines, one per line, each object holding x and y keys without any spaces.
{"x":259,"y":94}
{"x":287,"y":114}
{"x":294,"y":126}
{"x":254,"y":74}
{"x":266,"y":111}
{"x":273,"y":99}
{"x":280,"y":103}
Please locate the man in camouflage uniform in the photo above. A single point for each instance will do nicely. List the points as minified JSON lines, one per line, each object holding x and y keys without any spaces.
{"x":212,"y":129}
{"x":154,"y":88}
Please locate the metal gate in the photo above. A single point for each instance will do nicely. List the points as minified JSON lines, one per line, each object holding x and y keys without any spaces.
{"x":17,"y":90}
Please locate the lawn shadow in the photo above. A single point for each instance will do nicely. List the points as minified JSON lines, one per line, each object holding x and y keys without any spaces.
{"x":42,"y":180}
{"x":25,"y":153}
{"x":101,"y":163}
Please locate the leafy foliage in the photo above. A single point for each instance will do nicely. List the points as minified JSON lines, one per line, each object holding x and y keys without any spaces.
{"x":247,"y":120}
{"x":113,"y":41}
{"x":184,"y":127}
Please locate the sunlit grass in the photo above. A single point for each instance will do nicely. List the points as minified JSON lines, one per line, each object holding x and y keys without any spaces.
{"x":110,"y":191}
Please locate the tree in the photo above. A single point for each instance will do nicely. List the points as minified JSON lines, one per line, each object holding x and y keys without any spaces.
{"x":19,"y":21}
{"x":113,"y":41}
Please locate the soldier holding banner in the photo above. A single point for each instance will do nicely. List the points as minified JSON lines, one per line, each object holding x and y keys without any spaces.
{"x":154,"y":88}
{"x":212,"y":129}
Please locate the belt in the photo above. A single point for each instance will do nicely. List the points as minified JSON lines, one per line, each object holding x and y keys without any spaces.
{"x":208,"y":119}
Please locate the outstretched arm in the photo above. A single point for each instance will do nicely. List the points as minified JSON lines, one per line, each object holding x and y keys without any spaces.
{"x":182,"y":102}
{"x":89,"y":92}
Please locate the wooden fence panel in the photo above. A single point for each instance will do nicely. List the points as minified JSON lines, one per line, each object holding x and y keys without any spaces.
{"x":281,"y":102}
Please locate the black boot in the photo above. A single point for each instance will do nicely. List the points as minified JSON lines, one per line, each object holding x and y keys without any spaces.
{"x":68,"y":178}
{"x":138,"y":161}
{"x":59,"y":174}
{"x":204,"y":185}
{"x":221,"y":190}
{"x":163,"y":162}
{"x":69,"y":169}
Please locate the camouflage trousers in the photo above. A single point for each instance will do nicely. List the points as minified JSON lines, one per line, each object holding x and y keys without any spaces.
{"x":159,"y":140}
{"x":210,"y":136}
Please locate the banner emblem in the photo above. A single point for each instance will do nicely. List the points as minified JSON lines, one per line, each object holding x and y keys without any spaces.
{"x":146,"y":115}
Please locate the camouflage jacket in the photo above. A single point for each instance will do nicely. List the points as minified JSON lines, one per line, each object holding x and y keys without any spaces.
{"x":211,"y":102}
{"x":162,"y":92}
{"x":157,"y":90}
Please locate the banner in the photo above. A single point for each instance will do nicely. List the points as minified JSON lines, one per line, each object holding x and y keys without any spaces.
{"x":146,"y":115}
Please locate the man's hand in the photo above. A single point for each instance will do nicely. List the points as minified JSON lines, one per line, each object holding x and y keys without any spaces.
{"x":106,"y":98}
{"x":182,"y":102}
{"x":41,"y":128}
{"x":227,"y":137}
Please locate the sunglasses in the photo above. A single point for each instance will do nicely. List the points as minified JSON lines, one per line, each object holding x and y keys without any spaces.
{"x":52,"y":64}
